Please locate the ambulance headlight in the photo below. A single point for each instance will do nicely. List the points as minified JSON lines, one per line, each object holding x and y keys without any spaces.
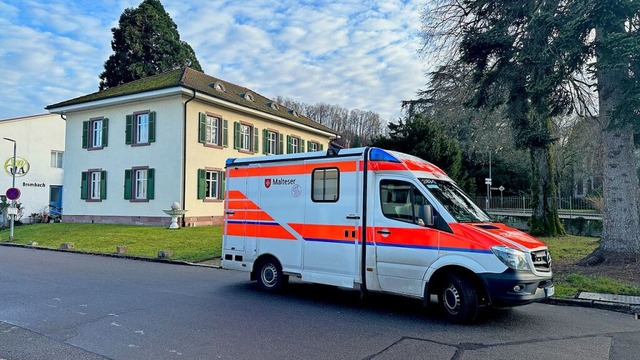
{"x":513,"y":258}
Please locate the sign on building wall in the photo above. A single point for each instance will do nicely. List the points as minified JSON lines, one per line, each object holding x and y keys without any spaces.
{"x":22,"y":166}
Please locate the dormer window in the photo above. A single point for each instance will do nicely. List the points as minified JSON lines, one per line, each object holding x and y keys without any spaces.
{"x":248,"y":96}
{"x":274,"y":106}
{"x":294,"y":113}
{"x":218,"y":85}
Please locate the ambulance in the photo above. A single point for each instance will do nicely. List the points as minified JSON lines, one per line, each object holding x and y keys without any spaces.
{"x":376,"y":220}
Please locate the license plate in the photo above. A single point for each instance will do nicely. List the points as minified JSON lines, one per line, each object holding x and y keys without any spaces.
{"x":549,"y":291}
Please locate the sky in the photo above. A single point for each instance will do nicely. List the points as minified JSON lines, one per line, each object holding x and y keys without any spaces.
{"x":358,"y":54}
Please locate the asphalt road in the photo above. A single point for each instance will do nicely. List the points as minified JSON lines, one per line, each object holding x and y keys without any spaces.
{"x":56,"y":305}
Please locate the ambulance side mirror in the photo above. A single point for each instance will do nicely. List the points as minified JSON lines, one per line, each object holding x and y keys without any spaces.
{"x":427,"y":211}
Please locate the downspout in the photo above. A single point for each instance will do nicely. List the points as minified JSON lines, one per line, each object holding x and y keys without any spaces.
{"x":363,"y":233}
{"x":184,"y":157}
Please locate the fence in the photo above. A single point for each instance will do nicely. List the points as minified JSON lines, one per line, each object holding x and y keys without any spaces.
{"x":566,"y":205}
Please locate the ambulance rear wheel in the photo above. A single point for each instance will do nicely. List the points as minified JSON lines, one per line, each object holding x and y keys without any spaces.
{"x":270,"y":277}
{"x":458,"y":299}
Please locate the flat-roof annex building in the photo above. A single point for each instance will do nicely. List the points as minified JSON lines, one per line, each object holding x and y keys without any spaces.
{"x":133,"y":150}
{"x":39,"y":143}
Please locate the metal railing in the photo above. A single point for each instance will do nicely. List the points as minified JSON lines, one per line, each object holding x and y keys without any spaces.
{"x":568,"y":207}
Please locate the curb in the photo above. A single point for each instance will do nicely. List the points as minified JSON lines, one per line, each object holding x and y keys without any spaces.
{"x":120,"y":256}
{"x":602,"y":305}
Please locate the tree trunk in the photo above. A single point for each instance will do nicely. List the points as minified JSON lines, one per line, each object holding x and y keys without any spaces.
{"x":621,"y":231}
{"x":544,"y":219}
{"x":621,"y":226}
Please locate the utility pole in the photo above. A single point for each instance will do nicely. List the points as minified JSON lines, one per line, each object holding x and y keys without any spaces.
{"x":13,"y":185}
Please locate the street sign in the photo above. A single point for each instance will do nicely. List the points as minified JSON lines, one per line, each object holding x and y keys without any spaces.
{"x":13,"y":193}
{"x":487,"y":181}
{"x":501,"y":188}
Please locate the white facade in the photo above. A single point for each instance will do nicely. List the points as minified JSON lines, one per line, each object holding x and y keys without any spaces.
{"x":190,"y":125}
{"x":40,"y":142}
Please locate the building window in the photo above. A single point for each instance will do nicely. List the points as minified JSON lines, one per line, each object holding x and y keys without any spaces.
{"x":139,"y":184}
{"x":271,"y":142}
{"x":93,"y":186}
{"x":314,"y":146}
{"x":212,"y":130}
{"x":56,"y":159}
{"x":140,"y":128}
{"x":210,"y":184}
{"x":325,"y":183}
{"x":94,"y":133}
{"x":294,"y":145}
{"x":245,"y":137}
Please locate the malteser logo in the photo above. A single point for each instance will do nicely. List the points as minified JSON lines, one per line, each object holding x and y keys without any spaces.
{"x":278,"y":181}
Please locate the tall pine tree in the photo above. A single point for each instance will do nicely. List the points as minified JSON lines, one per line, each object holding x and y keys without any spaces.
{"x":146,"y":42}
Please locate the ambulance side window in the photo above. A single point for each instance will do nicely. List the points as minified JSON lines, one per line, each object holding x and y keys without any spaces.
{"x":401,"y":200}
{"x":325,"y":185}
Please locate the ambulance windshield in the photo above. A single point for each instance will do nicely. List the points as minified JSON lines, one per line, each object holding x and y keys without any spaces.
{"x":455,"y":201}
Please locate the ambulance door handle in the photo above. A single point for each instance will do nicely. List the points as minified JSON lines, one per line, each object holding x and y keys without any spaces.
{"x":229,"y":212}
{"x":384,"y":232}
{"x":353,"y":217}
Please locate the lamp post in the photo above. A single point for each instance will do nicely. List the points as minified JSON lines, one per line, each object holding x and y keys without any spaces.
{"x":13,"y":184}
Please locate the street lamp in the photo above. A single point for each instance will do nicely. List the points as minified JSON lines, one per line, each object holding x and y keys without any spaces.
{"x":13,"y":185}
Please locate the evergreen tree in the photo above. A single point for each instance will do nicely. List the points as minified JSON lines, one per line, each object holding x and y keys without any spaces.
{"x":146,"y":42}
{"x":424,"y":138}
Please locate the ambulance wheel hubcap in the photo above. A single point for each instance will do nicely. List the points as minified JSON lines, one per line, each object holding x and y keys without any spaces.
{"x":451,"y":299}
{"x":269,"y":275}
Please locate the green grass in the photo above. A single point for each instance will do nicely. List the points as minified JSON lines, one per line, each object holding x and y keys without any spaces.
{"x":189,"y":244}
{"x":203,"y":243}
{"x":573,"y":248}
{"x":570,"y":247}
{"x":568,"y":285}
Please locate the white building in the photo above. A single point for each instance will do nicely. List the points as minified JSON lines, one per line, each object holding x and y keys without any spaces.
{"x":134,"y":149}
{"x":40,"y":141}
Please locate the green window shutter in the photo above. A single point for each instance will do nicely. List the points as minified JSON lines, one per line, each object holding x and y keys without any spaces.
{"x":309,"y":143}
{"x":265,"y":141}
{"x":289,"y":145}
{"x":202,"y":127}
{"x":222,"y":180}
{"x":85,"y":134}
{"x":225,"y":133}
{"x":201,"y":184}
{"x":105,"y":132}
{"x":152,"y":126}
{"x":128,"y":133}
{"x":301,"y":147}
{"x":236,"y":135}
{"x":127,"y":184}
{"x":151,"y":182}
{"x":84,"y":187}
{"x":256,"y":148}
{"x":321,"y":147}
{"x":280,"y":144}
{"x":103,"y":184}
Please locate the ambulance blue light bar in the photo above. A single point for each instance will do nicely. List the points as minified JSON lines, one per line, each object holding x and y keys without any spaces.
{"x":377,"y":154}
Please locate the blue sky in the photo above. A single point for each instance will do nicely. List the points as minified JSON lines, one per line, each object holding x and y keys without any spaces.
{"x":355,"y":53}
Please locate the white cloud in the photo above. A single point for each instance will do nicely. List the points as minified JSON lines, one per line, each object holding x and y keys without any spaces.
{"x":352,"y":53}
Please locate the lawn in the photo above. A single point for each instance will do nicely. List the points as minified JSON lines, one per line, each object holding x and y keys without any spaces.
{"x":197,"y":244}
{"x":190,"y":244}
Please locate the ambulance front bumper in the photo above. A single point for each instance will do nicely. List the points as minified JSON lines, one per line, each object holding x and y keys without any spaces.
{"x":514,"y":288}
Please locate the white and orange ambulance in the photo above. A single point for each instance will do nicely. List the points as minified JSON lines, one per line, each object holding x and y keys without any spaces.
{"x":376,"y":220}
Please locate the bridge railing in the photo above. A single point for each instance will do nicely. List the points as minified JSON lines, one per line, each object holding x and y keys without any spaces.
{"x":568,"y":206}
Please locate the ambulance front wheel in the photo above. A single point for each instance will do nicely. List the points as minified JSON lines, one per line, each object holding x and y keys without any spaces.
{"x":458,"y":299}
{"x":270,"y":276}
